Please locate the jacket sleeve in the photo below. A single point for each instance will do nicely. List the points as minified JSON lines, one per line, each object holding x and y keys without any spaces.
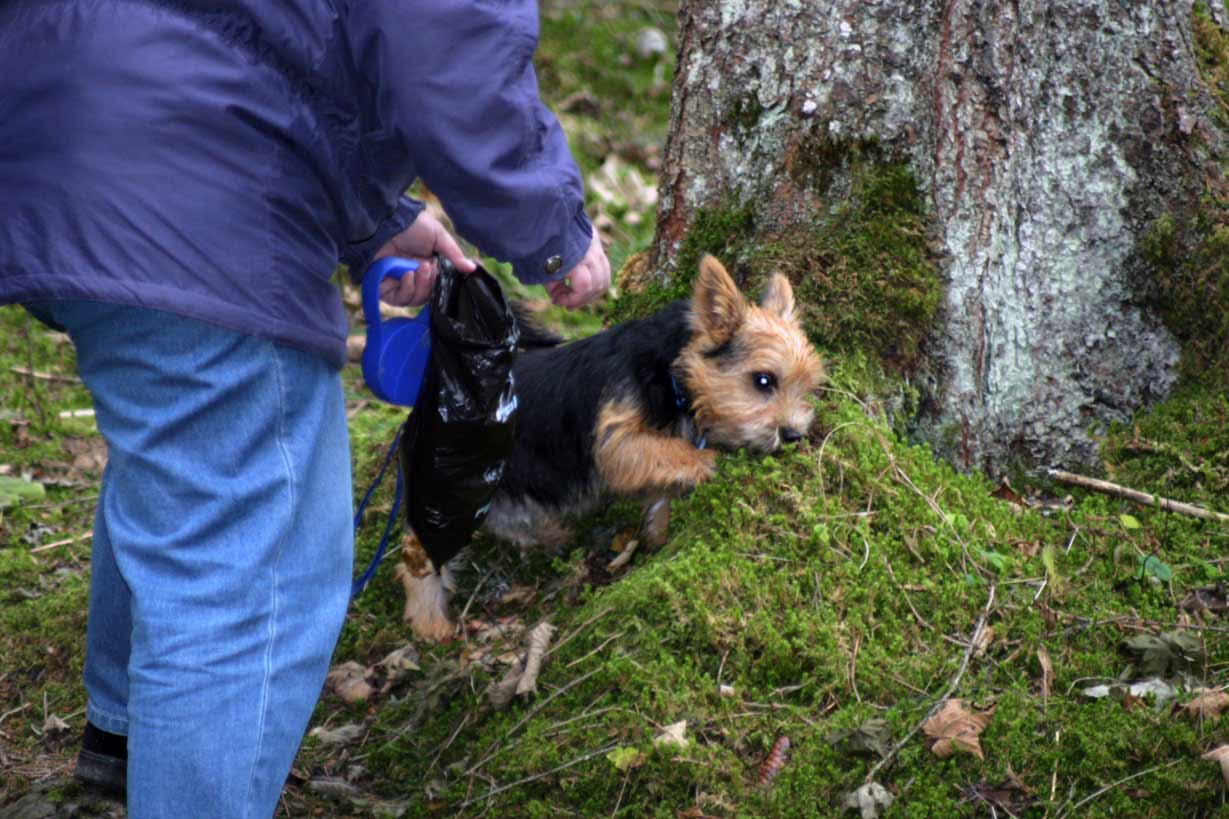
{"x":454,"y":84}
{"x":357,"y":255}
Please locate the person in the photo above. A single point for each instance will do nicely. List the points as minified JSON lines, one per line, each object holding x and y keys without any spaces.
{"x":178,"y":182}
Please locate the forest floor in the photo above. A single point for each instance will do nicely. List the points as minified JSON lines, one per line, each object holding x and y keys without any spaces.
{"x":971,"y":649}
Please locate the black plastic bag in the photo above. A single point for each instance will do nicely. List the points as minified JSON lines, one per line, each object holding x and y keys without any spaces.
{"x":459,"y":436}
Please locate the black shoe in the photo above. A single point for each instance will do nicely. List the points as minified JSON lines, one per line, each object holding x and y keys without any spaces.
{"x":103,"y":761}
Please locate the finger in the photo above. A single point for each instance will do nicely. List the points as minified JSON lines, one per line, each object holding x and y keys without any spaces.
{"x":424,"y":283}
{"x":447,"y":247}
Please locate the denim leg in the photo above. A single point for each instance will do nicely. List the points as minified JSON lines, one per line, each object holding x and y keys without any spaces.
{"x":227,"y":513}
{"x":108,"y":631}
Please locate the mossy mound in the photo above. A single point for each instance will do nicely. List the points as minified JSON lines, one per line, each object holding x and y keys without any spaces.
{"x":831,"y":584}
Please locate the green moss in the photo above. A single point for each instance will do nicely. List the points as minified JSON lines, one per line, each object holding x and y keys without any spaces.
{"x":726,"y":231}
{"x":865,"y":276}
{"x":1189,"y":252}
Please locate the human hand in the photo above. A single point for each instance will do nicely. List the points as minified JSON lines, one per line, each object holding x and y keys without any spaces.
{"x":420,"y":241}
{"x":586,"y":282}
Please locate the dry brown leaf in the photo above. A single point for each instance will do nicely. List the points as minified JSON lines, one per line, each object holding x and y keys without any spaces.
{"x":1207,"y":705}
{"x":1006,"y":493}
{"x":955,"y":728}
{"x":518,"y":594}
{"x":539,"y":641}
{"x":349,"y":681}
{"x":673,"y":734}
{"x":1221,"y":755}
{"x":1047,"y":671}
{"x":984,"y":639}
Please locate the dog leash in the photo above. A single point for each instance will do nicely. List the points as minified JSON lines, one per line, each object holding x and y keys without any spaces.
{"x":362,"y":582}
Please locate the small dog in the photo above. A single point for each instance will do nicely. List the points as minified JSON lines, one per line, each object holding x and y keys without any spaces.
{"x":630,"y":412}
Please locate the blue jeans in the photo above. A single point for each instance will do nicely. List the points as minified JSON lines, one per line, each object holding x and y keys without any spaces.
{"x":222,"y":553}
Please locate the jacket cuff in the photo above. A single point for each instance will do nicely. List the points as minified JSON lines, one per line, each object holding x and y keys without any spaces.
{"x":556,"y":258}
{"x":357,"y":255}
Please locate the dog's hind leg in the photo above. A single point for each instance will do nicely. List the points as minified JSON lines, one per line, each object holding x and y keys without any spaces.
{"x":426,"y":592}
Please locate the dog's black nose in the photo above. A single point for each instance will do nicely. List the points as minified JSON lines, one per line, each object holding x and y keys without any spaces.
{"x":790,"y":435}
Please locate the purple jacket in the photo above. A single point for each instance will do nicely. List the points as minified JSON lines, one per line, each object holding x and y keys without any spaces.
{"x":217,"y":158}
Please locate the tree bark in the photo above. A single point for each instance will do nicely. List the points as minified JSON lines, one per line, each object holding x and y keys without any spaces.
{"x":1046,"y":137}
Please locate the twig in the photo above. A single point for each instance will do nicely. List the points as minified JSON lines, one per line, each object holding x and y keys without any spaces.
{"x":619,"y":801}
{"x":624,"y":557}
{"x":13,"y":711}
{"x":580,"y":628}
{"x":584,"y":758}
{"x":1095,"y":794}
{"x":46,"y":546}
{"x":30,"y":372}
{"x":1134,"y":495}
{"x":493,"y":749}
{"x":605,"y":643}
{"x":951,"y":687}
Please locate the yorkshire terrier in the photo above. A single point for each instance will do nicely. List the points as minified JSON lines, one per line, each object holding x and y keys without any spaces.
{"x":631,"y":412}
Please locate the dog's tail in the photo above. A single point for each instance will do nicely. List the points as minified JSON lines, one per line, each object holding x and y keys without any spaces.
{"x":533,"y":333}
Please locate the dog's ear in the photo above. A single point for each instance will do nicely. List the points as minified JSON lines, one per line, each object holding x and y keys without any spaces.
{"x":718,"y":306}
{"x":779,"y":297}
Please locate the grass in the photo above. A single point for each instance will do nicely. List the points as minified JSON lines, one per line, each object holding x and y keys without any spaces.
{"x":799,"y":595}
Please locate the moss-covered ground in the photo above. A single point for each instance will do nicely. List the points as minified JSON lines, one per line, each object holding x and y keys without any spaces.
{"x":801,"y":595}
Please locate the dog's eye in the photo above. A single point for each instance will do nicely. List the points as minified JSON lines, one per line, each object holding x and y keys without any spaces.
{"x":764,"y":382}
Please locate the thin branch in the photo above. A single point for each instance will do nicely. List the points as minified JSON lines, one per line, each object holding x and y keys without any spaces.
{"x":1134,"y":495}
{"x":1063,"y":811}
{"x":951,"y":687}
{"x":584,"y":758}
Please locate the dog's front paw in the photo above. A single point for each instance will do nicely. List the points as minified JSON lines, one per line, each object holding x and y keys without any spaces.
{"x":698,"y":470}
{"x":426,"y":605}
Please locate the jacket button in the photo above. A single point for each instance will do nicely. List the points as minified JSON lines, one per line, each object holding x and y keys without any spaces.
{"x":553,"y":264}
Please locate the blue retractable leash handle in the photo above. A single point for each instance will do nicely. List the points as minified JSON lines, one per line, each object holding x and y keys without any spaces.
{"x":397,"y":350}
{"x":393,"y":364}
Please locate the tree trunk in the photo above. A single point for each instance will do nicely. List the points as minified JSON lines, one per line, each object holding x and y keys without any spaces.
{"x":1045,"y":139}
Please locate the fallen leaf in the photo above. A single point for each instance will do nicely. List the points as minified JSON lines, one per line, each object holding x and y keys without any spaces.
{"x":955,"y":728}
{"x":349,"y":681}
{"x":1163,"y":691}
{"x":870,"y":800}
{"x":502,"y":692}
{"x":1207,"y":705}
{"x":673,"y":734}
{"x":871,"y":737}
{"x":1047,"y":671}
{"x":341,"y":735}
{"x":625,"y":758}
{"x":1006,"y":493}
{"x":55,"y":725}
{"x":399,"y":662}
{"x":539,"y":641}
{"x":1221,"y":755}
{"x":984,"y":639}
{"x":1011,"y":796}
{"x":1162,"y":655}
{"x":518,"y":595}
{"x":1212,"y":598}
